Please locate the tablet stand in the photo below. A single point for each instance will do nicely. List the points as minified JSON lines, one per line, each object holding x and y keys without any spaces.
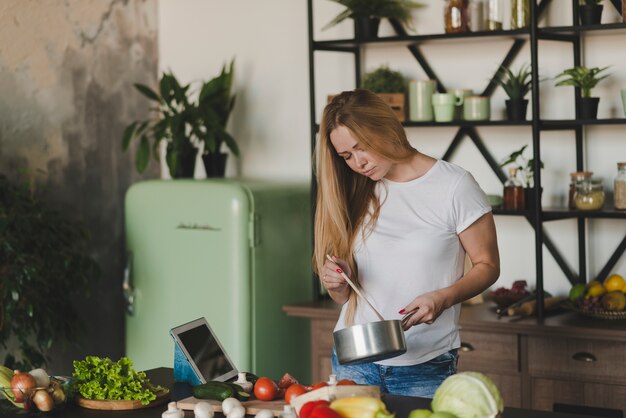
{"x":183,"y":372}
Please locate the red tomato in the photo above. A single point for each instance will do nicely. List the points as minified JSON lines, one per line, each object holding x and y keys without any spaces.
{"x":293,"y":391}
{"x":307,"y":408}
{"x":323,"y":411}
{"x":317,"y":385}
{"x":265,"y":389}
{"x":346,"y":382}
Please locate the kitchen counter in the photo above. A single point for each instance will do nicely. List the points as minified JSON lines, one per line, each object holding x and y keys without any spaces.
{"x":401,"y":405}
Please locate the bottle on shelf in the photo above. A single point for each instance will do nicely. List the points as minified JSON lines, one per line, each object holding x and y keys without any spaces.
{"x":513,"y":196}
{"x":455,"y":16}
{"x":476,"y":15}
{"x":495,"y":15}
{"x":576,"y":178}
{"x":589,"y":195}
{"x":520,"y":14}
{"x":619,"y":193}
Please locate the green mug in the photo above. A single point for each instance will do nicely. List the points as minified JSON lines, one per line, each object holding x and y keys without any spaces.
{"x":476,"y":108}
{"x":458,"y":109}
{"x":444,"y":104}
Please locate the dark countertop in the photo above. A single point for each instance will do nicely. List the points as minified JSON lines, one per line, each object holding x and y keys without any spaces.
{"x":163,"y":376}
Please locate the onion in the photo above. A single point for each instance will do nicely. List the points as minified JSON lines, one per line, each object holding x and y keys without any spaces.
{"x":22,"y":384}
{"x":43,"y":401}
{"x":41,"y":377}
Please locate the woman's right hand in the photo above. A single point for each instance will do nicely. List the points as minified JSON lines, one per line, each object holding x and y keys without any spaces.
{"x":331,"y":277}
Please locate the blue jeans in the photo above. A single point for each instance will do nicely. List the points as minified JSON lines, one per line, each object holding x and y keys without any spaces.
{"x":418,"y":380}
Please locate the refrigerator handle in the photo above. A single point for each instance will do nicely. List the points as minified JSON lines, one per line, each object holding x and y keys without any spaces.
{"x":129,"y":292}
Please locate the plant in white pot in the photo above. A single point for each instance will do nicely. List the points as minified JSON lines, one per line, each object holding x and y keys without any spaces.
{"x":585,"y":79}
{"x":184,"y":124}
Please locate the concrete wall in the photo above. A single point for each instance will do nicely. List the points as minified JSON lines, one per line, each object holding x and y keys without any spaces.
{"x":66,"y":74}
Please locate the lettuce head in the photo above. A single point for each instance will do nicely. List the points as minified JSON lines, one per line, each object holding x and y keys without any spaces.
{"x":468,"y":395}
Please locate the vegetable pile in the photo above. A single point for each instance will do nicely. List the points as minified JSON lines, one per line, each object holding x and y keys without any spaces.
{"x":102,"y":379}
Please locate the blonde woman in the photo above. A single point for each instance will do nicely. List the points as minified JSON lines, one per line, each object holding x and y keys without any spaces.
{"x":399,"y":223}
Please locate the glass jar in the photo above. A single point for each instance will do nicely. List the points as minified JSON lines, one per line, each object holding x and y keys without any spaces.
{"x":575,"y":178}
{"x":513,"y":195}
{"x":589,"y":195}
{"x":620,"y":185}
{"x":495,"y":15}
{"x":476,"y":14}
{"x":520,"y":14}
{"x":455,"y":16}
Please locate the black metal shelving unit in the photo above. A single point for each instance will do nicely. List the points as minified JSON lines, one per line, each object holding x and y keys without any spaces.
{"x":536,"y":215}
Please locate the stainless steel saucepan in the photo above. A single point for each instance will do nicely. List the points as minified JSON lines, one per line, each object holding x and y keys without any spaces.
{"x":373,"y":341}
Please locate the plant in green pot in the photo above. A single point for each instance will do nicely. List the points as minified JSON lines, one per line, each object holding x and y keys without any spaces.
{"x":585,"y":79}
{"x":184,"y":124}
{"x":44,"y":266}
{"x":368,"y":13}
{"x":390,"y":85}
{"x":590,"y":12}
{"x":516,"y":85}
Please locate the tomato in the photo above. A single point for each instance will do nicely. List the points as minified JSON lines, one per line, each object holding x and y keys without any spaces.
{"x":265,"y":389}
{"x":323,"y":411}
{"x":307,"y":408}
{"x":286,"y":381}
{"x":346,"y":382}
{"x":293,"y":391}
{"x":317,"y":385}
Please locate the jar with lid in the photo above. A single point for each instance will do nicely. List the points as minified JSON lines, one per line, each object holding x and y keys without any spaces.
{"x":455,"y":16}
{"x":476,"y":15}
{"x":520,"y":14}
{"x":620,"y":186}
{"x":576,"y":177}
{"x":589,"y":195}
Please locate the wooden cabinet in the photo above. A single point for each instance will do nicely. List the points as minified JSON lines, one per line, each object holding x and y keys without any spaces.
{"x":564,"y":359}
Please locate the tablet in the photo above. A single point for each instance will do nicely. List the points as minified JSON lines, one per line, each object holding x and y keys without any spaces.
{"x":203,"y":350}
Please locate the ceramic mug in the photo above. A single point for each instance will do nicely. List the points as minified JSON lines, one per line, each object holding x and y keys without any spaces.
{"x":476,"y":108}
{"x":443,"y":105}
{"x":623,"y":91}
{"x":458,"y":110}
{"x":420,"y":99}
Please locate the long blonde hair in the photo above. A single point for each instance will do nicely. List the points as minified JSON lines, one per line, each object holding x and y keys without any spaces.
{"x":345,"y":198}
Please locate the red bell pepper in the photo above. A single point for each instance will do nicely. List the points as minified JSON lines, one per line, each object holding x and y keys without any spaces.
{"x":322,"y":411}
{"x":307,"y":408}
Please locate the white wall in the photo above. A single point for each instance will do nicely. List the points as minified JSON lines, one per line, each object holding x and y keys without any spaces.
{"x":271,"y":122}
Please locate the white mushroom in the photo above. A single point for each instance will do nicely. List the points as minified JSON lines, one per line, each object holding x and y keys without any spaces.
{"x":203,"y":410}
{"x":237,"y":412}
{"x":228,"y":404}
{"x":264,"y":413}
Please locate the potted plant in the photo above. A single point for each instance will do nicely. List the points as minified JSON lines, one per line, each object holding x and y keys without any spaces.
{"x":590,"y":12}
{"x":184,"y":124}
{"x":367,"y":14}
{"x":390,"y":85}
{"x":516,"y":85}
{"x":525,"y":173}
{"x":44,"y":265}
{"x":585,"y":79}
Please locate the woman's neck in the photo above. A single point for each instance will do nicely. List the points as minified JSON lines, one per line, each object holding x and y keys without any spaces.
{"x":412,"y":169}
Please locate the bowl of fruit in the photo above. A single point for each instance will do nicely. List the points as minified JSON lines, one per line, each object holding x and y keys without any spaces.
{"x":505,"y":297}
{"x":602,"y":300}
{"x":32,"y":391}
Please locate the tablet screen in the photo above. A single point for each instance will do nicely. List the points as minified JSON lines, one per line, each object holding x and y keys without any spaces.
{"x":204,"y":351}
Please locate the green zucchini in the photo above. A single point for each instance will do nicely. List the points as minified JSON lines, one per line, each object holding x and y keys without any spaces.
{"x":214,"y":390}
{"x":240,"y":393}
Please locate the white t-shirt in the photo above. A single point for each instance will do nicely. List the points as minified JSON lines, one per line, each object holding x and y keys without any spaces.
{"x":414,"y":248}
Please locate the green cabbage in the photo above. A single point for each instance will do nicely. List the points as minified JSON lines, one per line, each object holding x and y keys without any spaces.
{"x":468,"y":395}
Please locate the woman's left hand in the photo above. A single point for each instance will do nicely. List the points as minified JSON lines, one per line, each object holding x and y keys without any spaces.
{"x":426,"y":307}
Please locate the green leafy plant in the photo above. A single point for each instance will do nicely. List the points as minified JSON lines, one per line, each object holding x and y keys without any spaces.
{"x":384,"y":80}
{"x":182,"y":122}
{"x":525,"y":166}
{"x":44,"y":264}
{"x":391,"y":9}
{"x":515,"y":84}
{"x":582,"y":77}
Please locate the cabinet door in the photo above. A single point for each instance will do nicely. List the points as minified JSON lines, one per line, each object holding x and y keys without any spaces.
{"x":489,"y":351}
{"x":321,"y":349}
{"x":547,"y":392}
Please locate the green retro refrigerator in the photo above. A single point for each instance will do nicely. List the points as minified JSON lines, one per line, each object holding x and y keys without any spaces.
{"x":232,"y":251}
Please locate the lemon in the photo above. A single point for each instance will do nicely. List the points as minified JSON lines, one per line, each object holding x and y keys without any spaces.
{"x":577,"y":291}
{"x":614,"y":282}
{"x":595,"y":289}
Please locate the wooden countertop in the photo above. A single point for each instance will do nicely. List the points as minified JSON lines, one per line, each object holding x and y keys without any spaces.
{"x":482,"y":317}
